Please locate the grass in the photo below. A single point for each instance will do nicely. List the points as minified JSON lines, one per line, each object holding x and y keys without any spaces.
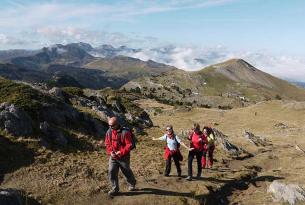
{"x":23,"y":96}
{"x":73,"y":91}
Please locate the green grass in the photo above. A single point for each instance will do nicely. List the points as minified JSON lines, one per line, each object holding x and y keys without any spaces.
{"x":73,"y":91}
{"x":23,"y":96}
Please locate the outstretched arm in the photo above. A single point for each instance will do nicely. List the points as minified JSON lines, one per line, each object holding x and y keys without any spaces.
{"x":188,"y":148}
{"x":160,"y":138}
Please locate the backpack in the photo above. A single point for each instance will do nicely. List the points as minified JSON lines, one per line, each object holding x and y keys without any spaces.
{"x":122,"y":133}
{"x":178,"y":144}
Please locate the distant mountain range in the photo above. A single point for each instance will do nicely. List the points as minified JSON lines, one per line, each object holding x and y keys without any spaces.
{"x":229,"y":84}
{"x":74,"y":62}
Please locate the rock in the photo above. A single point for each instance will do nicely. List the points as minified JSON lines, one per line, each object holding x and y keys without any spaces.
{"x":63,"y":115}
{"x":10,"y":197}
{"x":228,"y":146}
{"x":15,"y":121}
{"x":281,"y":125}
{"x":53,"y":134}
{"x":57,"y":92}
{"x":15,"y":197}
{"x":257,"y":140}
{"x":290,"y":193}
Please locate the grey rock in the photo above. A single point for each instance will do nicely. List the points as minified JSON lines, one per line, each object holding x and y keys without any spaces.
{"x":15,"y":121}
{"x":228,"y":146}
{"x":57,"y":92}
{"x":54,"y":134}
{"x":290,"y":193}
{"x":10,"y":197}
{"x":256,"y":140}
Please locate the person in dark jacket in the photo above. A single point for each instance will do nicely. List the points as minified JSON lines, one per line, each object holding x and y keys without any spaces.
{"x":197,"y":141}
{"x":118,"y":145}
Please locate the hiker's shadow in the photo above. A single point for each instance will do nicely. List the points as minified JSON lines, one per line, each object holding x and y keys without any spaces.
{"x":157,"y":192}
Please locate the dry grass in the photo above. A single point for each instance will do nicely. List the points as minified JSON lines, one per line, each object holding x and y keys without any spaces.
{"x":81,"y":177}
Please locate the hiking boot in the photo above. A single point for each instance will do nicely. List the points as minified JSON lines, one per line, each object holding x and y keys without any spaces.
{"x":113,"y":193}
{"x":132,"y":188}
{"x":198,"y":176}
{"x":179,"y":174}
{"x":189,"y":178}
{"x":166,"y":175}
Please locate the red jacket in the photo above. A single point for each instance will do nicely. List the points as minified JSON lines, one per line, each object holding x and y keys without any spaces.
{"x":197,"y":141}
{"x":118,"y":142}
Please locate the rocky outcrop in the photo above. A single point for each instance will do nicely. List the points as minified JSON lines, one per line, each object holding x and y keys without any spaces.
{"x":256,"y":140}
{"x":57,"y":92}
{"x":229,"y":147}
{"x":15,"y":121}
{"x":53,"y":134}
{"x":15,"y":197}
{"x":290,"y":193}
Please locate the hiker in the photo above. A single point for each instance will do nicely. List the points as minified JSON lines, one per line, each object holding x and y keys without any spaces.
{"x":118,"y":143}
{"x":208,"y":147}
{"x":197,"y":141}
{"x":173,"y":143}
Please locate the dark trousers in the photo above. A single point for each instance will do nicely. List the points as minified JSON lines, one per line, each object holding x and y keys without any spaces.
{"x":191,"y":156}
{"x":124,"y":165}
{"x":169,"y":164}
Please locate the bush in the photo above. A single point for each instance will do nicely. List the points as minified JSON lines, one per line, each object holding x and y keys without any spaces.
{"x":73,"y":91}
{"x":23,"y":96}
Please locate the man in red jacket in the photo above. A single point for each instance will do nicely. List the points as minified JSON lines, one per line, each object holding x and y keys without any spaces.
{"x":118,"y":145}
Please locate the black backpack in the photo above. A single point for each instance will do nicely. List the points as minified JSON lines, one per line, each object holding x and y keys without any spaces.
{"x":122,"y":132}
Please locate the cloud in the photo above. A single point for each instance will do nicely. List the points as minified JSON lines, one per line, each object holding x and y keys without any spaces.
{"x":195,"y":58}
{"x":3,"y":39}
{"x":36,"y":14}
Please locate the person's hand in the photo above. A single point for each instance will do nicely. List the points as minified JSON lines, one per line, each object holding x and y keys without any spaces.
{"x":191,"y":149}
{"x":118,"y":153}
{"x":113,"y":154}
{"x":153,"y":138}
{"x":100,"y":143}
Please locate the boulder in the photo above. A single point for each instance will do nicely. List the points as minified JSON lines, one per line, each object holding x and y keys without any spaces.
{"x":290,"y":193}
{"x":229,"y":147}
{"x":53,"y":134}
{"x":57,"y":92}
{"x":256,"y":140}
{"x":15,"y":197}
{"x":15,"y":121}
{"x":10,"y":197}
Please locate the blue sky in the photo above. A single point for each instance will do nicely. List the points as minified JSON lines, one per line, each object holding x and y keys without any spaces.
{"x":272,"y":26}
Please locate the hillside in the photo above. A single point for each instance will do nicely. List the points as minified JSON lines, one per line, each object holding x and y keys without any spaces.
{"x":80,"y":175}
{"x":233,"y":83}
{"x":129,"y":68}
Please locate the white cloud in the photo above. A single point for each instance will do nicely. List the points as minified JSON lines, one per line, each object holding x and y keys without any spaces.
{"x":196,"y":58}
{"x":3,"y":39}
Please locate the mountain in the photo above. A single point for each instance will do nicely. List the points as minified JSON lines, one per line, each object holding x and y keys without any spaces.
{"x":74,"y":54}
{"x":6,"y":55}
{"x":300,"y":84}
{"x":129,"y":68}
{"x":233,"y":83}
{"x":74,"y":64}
{"x":108,"y":51}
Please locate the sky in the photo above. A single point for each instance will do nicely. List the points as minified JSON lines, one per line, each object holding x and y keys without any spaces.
{"x":268,"y":33}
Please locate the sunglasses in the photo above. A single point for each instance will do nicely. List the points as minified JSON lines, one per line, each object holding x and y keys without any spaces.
{"x":169,"y":129}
